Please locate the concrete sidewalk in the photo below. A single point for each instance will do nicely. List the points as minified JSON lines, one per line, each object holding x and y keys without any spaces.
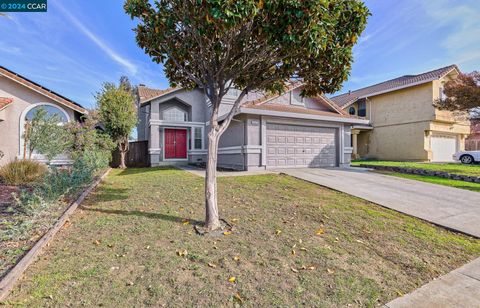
{"x":453,"y":208}
{"x":459,"y":288}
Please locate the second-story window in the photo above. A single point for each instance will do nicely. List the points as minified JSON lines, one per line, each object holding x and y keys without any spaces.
{"x":174,"y":115}
{"x":351,"y":110}
{"x":362,"y":109}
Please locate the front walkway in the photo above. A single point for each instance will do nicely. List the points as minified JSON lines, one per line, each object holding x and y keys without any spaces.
{"x":453,"y":208}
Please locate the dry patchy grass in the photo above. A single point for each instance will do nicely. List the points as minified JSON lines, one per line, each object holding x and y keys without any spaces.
{"x":294,"y":243}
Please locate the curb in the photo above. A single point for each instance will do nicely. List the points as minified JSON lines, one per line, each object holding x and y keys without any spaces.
{"x":9,"y":280}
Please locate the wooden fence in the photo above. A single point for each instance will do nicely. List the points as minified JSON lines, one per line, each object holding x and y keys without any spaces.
{"x":472,"y":145}
{"x":137,"y":156}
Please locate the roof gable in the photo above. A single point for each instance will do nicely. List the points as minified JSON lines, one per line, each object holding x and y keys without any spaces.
{"x":405,"y":81}
{"x":42,"y":90}
{"x":146,"y":94}
{"x":269,"y":101}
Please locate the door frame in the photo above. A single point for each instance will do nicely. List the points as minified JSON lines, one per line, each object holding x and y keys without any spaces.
{"x":186,"y":143}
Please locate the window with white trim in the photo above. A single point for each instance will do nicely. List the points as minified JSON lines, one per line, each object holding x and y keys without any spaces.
{"x":197,"y":135}
{"x":50,"y":110}
{"x":174,"y":115}
{"x":362,"y":109}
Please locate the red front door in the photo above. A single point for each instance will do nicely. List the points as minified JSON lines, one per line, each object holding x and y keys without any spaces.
{"x":175,"y":143}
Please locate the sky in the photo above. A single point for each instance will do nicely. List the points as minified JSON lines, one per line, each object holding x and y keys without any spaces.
{"x":79,"y":44}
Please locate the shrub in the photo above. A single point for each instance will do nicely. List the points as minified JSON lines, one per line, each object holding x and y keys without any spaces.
{"x":22,"y":172}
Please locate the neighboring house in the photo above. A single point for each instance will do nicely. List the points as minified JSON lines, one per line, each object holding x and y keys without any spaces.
{"x":404,"y":124}
{"x":472,"y":143}
{"x":19,"y":98}
{"x":270,"y":131}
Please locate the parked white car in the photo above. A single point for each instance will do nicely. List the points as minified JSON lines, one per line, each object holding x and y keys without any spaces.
{"x":467,"y":157}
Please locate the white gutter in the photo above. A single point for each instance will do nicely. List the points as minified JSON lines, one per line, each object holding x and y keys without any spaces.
{"x":284,"y":114}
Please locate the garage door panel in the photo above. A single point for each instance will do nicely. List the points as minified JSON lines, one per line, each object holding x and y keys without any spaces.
{"x":443,"y":147}
{"x":291,"y":145}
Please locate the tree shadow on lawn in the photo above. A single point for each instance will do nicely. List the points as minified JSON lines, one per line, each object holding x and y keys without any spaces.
{"x":145,"y":214}
{"x":105,"y":194}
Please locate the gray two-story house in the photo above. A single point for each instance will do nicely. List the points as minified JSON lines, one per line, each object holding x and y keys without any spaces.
{"x":269,"y":131}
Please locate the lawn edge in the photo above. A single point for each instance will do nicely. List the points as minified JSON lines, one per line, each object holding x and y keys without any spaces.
{"x":425,"y":172}
{"x":9,"y":280}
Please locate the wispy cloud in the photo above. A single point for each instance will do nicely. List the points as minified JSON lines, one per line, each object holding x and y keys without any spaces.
{"x":132,"y":68}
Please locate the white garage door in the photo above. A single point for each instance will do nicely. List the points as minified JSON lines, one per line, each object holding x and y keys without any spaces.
{"x":443,"y":147}
{"x":300,"y":146}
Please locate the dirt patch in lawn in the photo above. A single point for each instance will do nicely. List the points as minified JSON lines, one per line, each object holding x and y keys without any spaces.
{"x":294,"y":243}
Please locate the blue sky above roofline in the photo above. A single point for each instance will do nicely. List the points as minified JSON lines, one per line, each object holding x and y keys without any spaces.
{"x":77,"y":45}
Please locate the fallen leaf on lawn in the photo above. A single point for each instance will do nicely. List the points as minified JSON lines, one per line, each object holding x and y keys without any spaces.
{"x":336,"y":240}
{"x":227,"y":233}
{"x":237,"y":296}
{"x":236,"y":258}
{"x":186,"y":222}
{"x":320,"y":231}
{"x":182,"y":253}
{"x":304,"y":249}
{"x":294,"y":245}
{"x":293,"y":252}
{"x":303,"y":267}
{"x":97,"y":242}
{"x":148,"y":247}
{"x":212,"y":265}
{"x":330,"y":271}
{"x":300,"y":241}
{"x":277,"y":232}
{"x":399,"y":293}
{"x":311,"y":268}
{"x":232,"y":279}
{"x":359,"y":241}
{"x":294,"y":270}
{"x":234,"y":219}
{"x":114,"y":268}
{"x":129,"y":283}
{"x":215,"y":247}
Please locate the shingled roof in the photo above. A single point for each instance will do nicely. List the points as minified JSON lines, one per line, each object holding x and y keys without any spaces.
{"x":146,"y":94}
{"x":346,"y":99}
{"x":42,"y":90}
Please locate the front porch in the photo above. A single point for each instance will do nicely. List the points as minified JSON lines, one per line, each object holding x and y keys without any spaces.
{"x":355,"y":132}
{"x":174,"y":143}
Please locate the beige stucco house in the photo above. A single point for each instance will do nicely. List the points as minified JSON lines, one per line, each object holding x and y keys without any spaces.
{"x":404,"y":124}
{"x":19,"y":98}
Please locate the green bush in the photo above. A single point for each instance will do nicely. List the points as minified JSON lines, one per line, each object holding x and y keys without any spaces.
{"x":22,"y":172}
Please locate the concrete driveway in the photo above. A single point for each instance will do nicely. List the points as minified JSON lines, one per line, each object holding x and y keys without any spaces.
{"x":453,"y":208}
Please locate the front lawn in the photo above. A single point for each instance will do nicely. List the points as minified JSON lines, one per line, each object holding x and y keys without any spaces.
{"x":457,"y":168}
{"x":294,"y":243}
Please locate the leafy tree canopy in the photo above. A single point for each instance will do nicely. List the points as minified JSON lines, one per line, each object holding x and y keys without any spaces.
{"x":252,"y":44}
{"x":462,"y":94}
{"x":117,"y":111}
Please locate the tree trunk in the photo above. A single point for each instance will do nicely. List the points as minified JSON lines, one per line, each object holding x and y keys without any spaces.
{"x":212,"y":221}
{"x":122,"y":159}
